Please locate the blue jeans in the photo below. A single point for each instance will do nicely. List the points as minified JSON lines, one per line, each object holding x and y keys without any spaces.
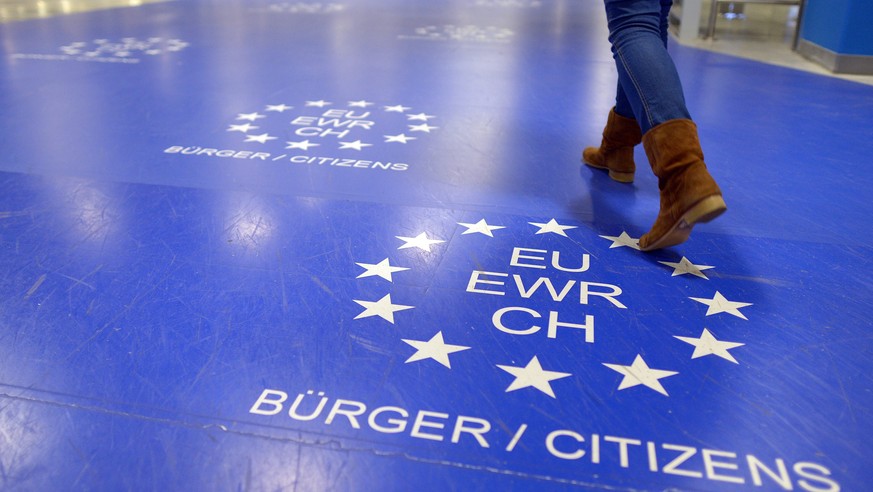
{"x":649,"y":89}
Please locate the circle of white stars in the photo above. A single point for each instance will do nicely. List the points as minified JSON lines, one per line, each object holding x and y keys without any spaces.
{"x":534,"y":375}
{"x":124,"y":48}
{"x":250,"y":125}
{"x":308,"y":8}
{"x":463,"y":33}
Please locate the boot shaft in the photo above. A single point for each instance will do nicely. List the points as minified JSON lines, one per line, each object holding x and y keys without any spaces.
{"x":673,"y":148}
{"x":621,"y":131}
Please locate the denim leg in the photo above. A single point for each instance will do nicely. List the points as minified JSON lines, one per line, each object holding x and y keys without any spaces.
{"x":665,"y":20}
{"x":622,"y":105}
{"x":646,"y":73}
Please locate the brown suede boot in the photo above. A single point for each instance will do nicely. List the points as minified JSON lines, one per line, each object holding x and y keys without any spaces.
{"x":616,"y":152}
{"x":688,"y":193}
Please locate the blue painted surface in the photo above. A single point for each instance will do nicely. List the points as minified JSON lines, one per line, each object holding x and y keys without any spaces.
{"x":163,"y":305}
{"x":839,"y":25}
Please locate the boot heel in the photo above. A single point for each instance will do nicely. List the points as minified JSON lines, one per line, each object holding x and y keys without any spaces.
{"x":621,"y":177}
{"x":705,"y":210}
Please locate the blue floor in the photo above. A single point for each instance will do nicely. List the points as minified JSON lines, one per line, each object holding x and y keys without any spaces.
{"x":350,"y":246}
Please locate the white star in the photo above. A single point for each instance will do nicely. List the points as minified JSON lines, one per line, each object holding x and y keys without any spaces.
{"x":718,"y":304}
{"x":317,"y":104}
{"x":357,"y":145}
{"x":398,"y":138}
{"x":396,"y":109}
{"x":419,"y":117}
{"x":435,"y":349}
{"x":684,"y":266}
{"x":278,"y":107}
{"x":623,"y":240}
{"x":481,"y":227}
{"x":708,"y":345}
{"x":359,"y":104}
{"x":301,"y":145}
{"x":424,"y":127}
{"x":640,"y":373}
{"x":552,"y":226}
{"x":382,"y":269}
{"x":534,"y":375}
{"x":382,"y":308}
{"x":262,"y":138}
{"x":250,"y":116}
{"x":420,"y":241}
{"x":242,"y":128}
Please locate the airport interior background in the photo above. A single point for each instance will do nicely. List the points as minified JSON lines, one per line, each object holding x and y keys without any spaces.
{"x":351,"y":245}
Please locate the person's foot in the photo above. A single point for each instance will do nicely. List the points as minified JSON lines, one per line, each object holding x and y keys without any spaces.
{"x":616,"y":151}
{"x":689,"y":194}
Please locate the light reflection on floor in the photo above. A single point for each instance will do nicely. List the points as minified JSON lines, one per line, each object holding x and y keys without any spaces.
{"x":16,"y":10}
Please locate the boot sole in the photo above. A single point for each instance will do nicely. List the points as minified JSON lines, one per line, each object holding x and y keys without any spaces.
{"x":703,"y":211}
{"x":615,"y":175}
